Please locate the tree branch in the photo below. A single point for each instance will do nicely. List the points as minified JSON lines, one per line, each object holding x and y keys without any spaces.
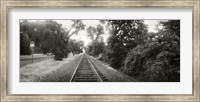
{"x":75,"y":32}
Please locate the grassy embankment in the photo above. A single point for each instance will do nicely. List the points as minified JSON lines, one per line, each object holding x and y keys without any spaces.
{"x":49,"y":70}
{"x":110,"y":73}
{"x":27,"y":59}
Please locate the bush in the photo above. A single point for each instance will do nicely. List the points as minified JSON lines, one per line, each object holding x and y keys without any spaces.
{"x":154,"y":62}
{"x":96,"y":48}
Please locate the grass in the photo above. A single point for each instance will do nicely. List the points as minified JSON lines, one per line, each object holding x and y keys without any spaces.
{"x":49,"y":70}
{"x":26,"y":62}
{"x":24,"y":57}
{"x":27,"y":59}
{"x":110,"y":73}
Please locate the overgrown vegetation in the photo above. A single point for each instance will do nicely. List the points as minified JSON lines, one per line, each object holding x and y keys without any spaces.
{"x":97,"y":45}
{"x":153,"y":57}
{"x":130,"y":48}
{"x":49,"y":37}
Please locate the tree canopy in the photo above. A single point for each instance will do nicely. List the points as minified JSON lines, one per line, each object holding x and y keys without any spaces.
{"x":146,"y":56}
{"x":49,"y":37}
{"x":97,"y":45}
{"x":126,"y":34}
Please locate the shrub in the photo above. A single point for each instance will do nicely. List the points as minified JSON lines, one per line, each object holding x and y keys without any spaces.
{"x":154,"y":62}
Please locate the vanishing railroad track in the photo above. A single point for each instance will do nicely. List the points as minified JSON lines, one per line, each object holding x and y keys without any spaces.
{"x":86,"y":72}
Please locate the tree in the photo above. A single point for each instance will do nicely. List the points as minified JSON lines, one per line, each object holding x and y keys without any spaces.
{"x":125,"y":35}
{"x":97,"y":46}
{"x":77,"y":26}
{"x":91,"y":32}
{"x":159,"y":58}
{"x":24,"y":39}
{"x":95,"y":32}
{"x":76,"y":46}
{"x":49,"y":36}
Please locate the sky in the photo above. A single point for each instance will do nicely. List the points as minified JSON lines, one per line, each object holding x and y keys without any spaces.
{"x":82,"y":35}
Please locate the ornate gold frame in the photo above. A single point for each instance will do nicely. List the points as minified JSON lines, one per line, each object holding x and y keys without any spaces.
{"x":6,"y":4}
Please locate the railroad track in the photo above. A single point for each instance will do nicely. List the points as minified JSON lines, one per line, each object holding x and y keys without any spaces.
{"x":85,"y":71}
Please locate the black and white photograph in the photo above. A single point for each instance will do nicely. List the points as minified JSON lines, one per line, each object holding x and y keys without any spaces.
{"x":105,"y":50}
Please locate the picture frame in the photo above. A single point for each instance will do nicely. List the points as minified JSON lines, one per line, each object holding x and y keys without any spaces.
{"x":7,"y":4}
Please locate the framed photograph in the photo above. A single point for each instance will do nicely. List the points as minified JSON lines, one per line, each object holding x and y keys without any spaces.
{"x":99,"y":50}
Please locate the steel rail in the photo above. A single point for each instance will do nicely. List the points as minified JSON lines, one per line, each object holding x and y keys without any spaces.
{"x":94,"y":69}
{"x":76,"y":69}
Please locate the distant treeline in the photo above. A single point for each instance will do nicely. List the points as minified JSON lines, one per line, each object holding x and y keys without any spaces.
{"x":146,"y":56}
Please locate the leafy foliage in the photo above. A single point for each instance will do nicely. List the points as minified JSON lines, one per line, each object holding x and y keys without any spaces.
{"x":97,"y":46}
{"x":126,"y":34}
{"x":146,"y":56}
{"x":157,"y":59}
{"x":49,"y":37}
{"x":76,"y":46}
